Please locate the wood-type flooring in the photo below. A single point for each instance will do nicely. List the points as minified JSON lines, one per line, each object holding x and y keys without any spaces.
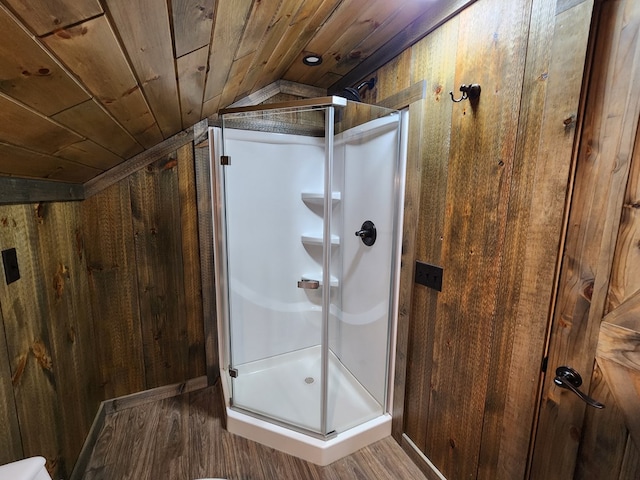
{"x":182,"y":438}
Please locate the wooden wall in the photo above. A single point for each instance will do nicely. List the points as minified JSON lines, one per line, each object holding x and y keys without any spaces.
{"x":487,"y":185}
{"x":109,"y":303}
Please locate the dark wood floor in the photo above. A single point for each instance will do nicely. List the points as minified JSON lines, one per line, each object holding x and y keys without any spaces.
{"x":182,"y":438}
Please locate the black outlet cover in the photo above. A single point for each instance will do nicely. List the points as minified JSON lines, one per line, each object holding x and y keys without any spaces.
{"x":10,"y":262}
{"x":429,"y":275}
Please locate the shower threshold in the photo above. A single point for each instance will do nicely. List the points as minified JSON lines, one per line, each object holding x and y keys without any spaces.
{"x":264,"y":388}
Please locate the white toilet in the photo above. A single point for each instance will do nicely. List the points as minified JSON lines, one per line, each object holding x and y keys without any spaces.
{"x":27,"y":469}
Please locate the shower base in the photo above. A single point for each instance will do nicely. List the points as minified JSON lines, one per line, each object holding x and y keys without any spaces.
{"x":264,"y":388}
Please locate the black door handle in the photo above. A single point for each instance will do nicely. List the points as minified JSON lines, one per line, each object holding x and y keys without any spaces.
{"x":567,"y":377}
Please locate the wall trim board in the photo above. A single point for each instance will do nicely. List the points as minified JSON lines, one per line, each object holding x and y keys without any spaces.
{"x":404,"y":98}
{"x":415,"y":32}
{"x":280,"y":86}
{"x":90,"y":442}
{"x":300,"y":89}
{"x":113,"y":405}
{"x":258,"y":96}
{"x":409,"y":235}
{"x":26,"y":190}
{"x":153,"y":395}
{"x":420,"y":459}
{"x":128,"y":167}
{"x":204,"y":200}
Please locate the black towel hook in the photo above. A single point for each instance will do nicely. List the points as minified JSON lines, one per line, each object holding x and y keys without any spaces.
{"x":471,"y":92}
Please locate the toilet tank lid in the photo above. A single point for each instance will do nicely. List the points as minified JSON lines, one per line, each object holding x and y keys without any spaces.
{"x":26,"y":469}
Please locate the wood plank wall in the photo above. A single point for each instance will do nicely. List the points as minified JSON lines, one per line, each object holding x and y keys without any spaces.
{"x":109,"y":303}
{"x":492,"y":179}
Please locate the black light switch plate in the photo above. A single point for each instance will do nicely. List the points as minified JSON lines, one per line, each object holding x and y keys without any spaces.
{"x":429,"y":275}
{"x":10,"y":262}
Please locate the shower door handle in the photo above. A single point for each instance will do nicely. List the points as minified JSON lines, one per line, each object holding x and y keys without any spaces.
{"x":309,"y":284}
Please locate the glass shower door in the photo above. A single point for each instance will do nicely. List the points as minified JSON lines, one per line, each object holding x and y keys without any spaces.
{"x":308,"y":304}
{"x":367,"y":165}
{"x":274,"y":194}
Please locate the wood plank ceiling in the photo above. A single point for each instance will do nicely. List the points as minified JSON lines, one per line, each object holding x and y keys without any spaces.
{"x":87,"y":84}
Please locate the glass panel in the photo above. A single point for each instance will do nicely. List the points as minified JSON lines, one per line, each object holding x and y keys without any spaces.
{"x":309,"y":302}
{"x":366,"y":152}
{"x":274,"y":212}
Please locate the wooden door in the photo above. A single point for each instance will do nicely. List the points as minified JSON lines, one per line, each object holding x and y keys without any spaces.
{"x":597,"y":311}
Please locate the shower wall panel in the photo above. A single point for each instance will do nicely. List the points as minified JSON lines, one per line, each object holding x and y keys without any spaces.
{"x":266,"y":219}
{"x":369,"y":154}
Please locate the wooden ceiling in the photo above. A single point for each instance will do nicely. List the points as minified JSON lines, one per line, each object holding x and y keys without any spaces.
{"x":87,"y":84}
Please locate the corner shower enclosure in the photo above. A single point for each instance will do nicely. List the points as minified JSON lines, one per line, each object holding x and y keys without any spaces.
{"x":308,"y":200}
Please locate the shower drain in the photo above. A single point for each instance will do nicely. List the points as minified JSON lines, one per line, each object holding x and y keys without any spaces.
{"x":309,"y":380}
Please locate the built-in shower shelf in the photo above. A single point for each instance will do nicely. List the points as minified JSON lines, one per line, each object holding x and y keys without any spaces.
{"x":315,"y":198}
{"x":318,"y":278}
{"x":318,"y":240}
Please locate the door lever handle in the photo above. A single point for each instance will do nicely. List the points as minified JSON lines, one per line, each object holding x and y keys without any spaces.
{"x":567,"y":377}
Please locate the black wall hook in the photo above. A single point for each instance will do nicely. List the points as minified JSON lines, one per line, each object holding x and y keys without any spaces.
{"x":471,"y":92}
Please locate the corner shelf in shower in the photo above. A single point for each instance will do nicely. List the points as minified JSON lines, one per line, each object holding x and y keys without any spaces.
{"x":318,"y":240}
{"x":314,"y":198}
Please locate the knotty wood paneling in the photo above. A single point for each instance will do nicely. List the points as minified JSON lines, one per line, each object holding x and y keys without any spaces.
{"x":73,"y":342}
{"x":192,"y":23}
{"x":479,"y":173}
{"x":91,"y":154}
{"x":278,"y":31}
{"x":147,"y":63}
{"x":435,"y":15}
{"x":493,"y":181}
{"x":433,"y":61}
{"x":155,"y":208}
{"x":28,"y":70}
{"x":25,"y":128}
{"x":344,"y":16}
{"x":110,"y":257}
{"x":44,"y":17}
{"x":27,"y":163}
{"x":92,"y":51}
{"x":225,"y":39}
{"x":192,"y":72}
{"x":10,"y":443}
{"x":143,"y":28}
{"x":89,"y":119}
{"x":98,"y":312}
{"x":304,"y":24}
{"x":24,"y":304}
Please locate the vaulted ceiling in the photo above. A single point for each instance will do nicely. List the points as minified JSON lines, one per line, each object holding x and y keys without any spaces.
{"x":87,"y":84}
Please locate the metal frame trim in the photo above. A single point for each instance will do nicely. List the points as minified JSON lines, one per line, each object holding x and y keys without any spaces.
{"x":331,"y":101}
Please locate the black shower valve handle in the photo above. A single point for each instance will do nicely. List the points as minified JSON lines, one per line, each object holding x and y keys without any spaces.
{"x":367,"y":233}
